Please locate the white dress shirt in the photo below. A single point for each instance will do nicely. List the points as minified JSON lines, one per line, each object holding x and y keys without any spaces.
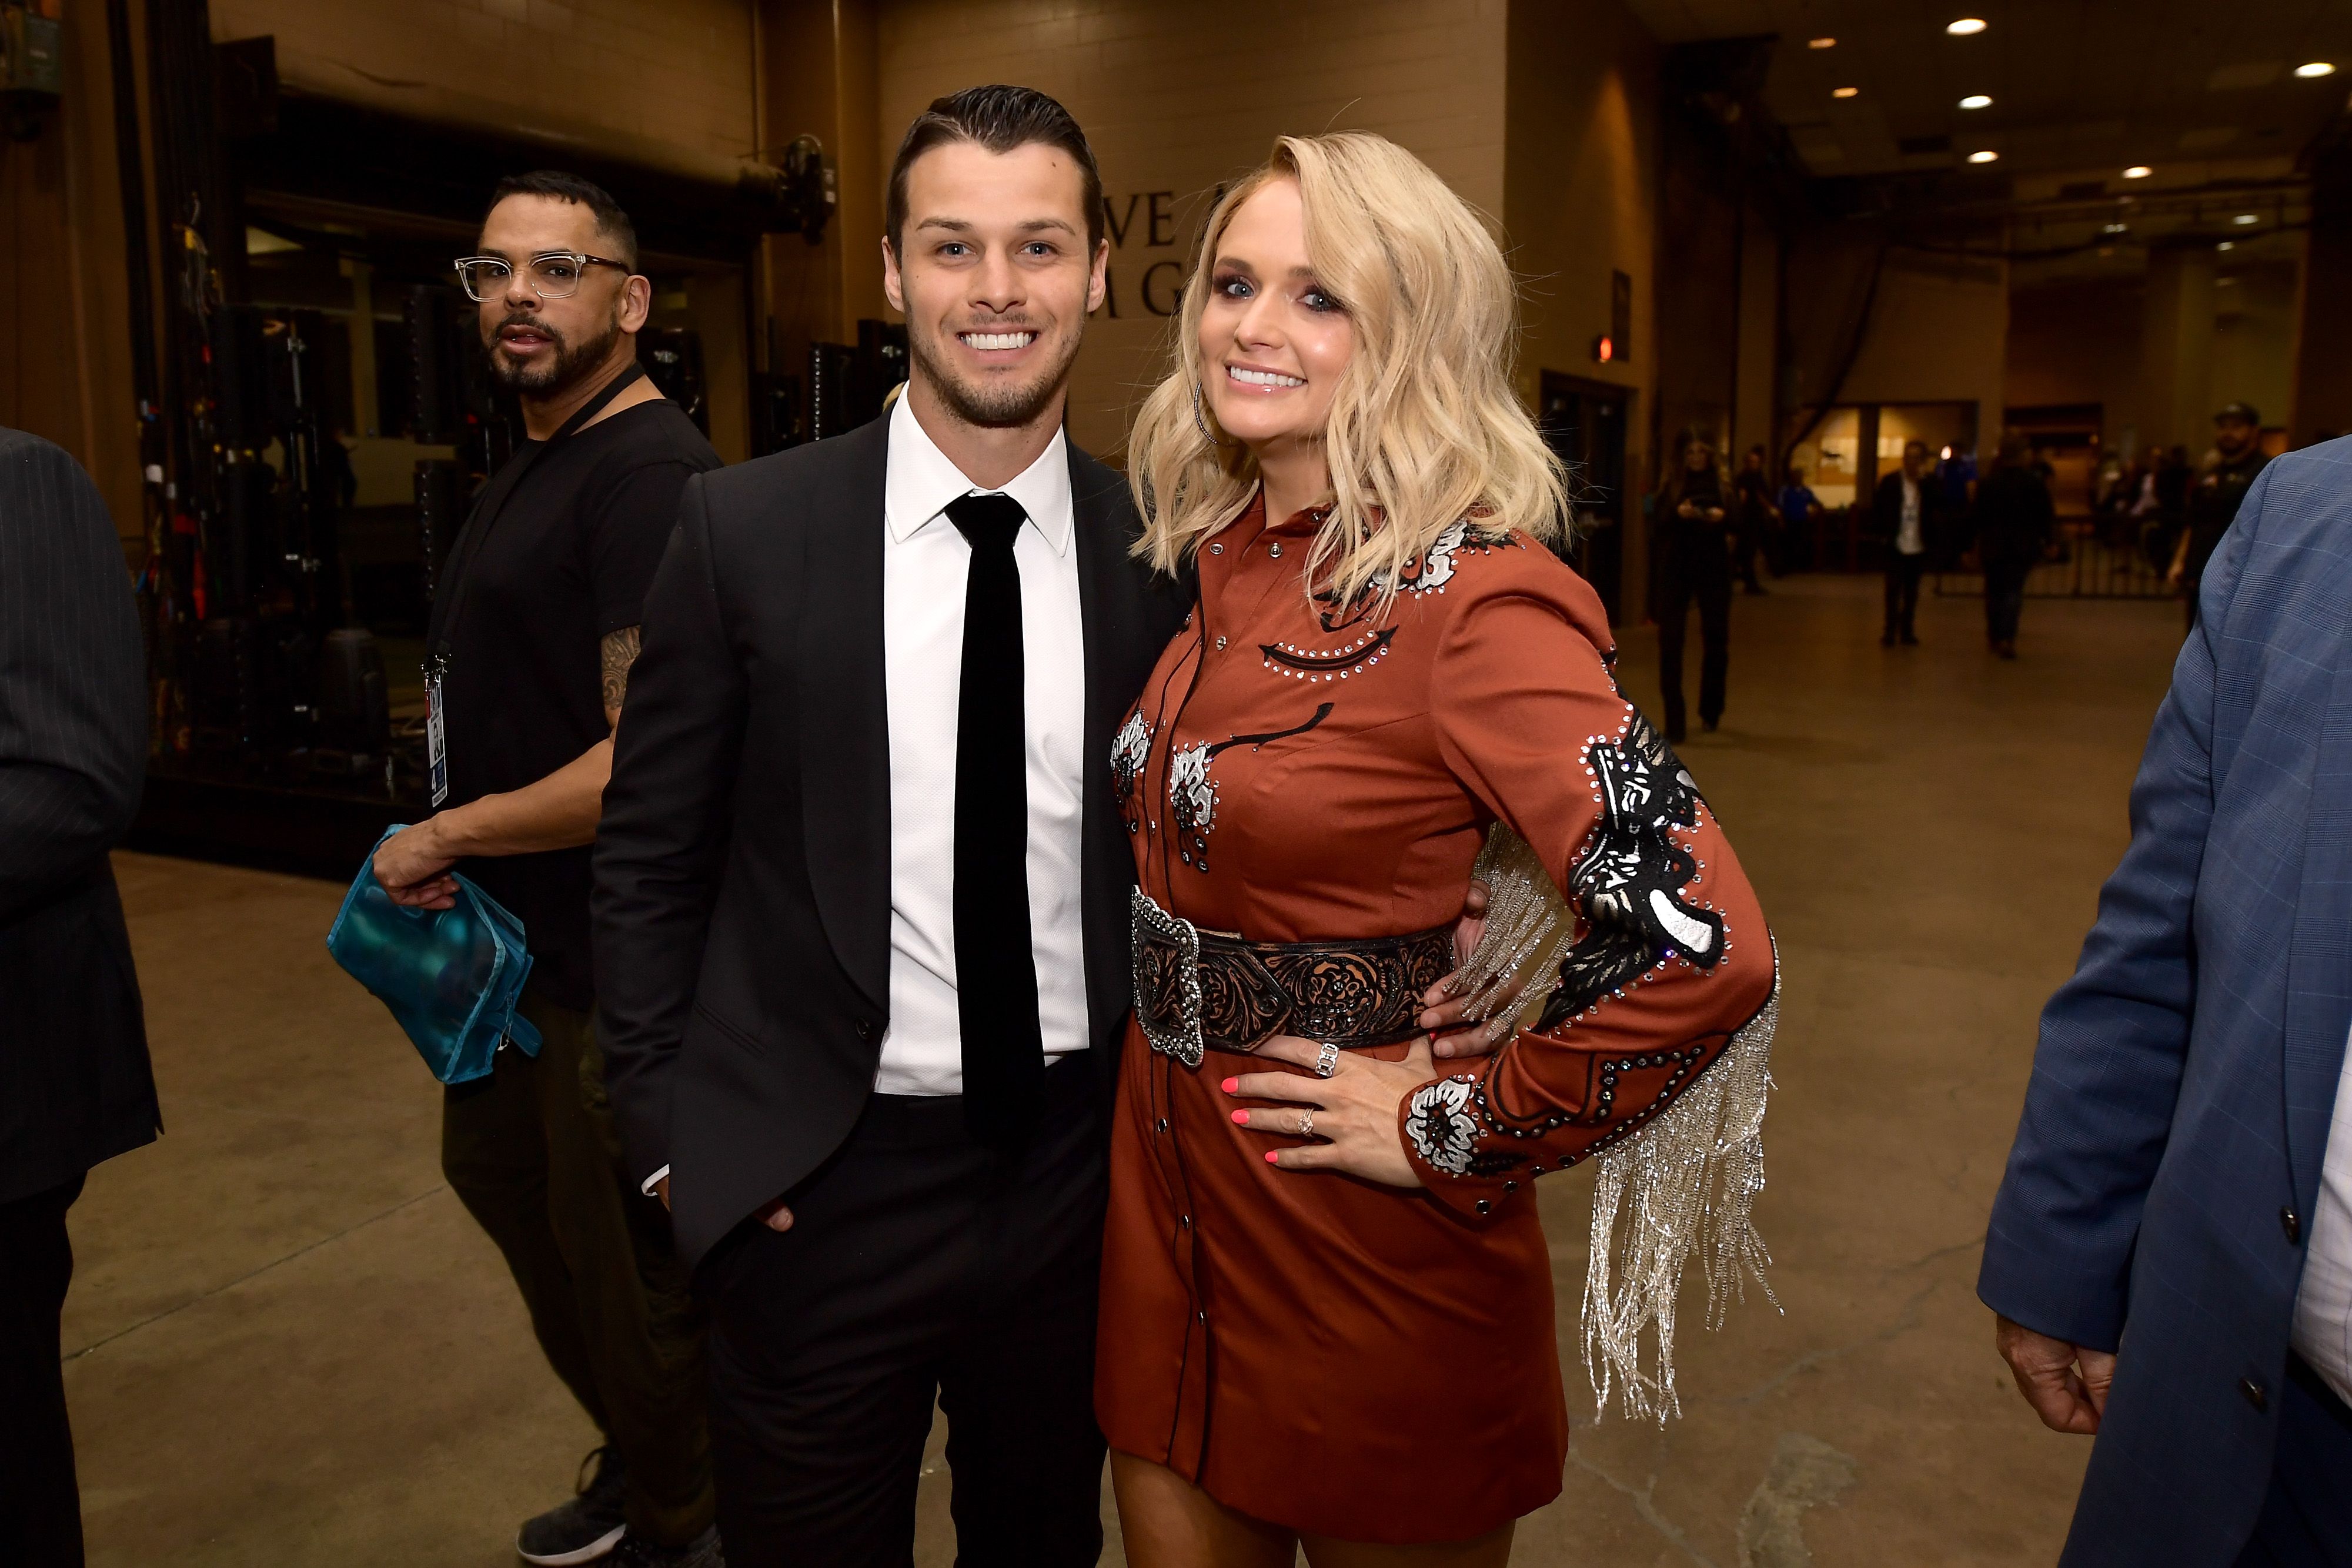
{"x":925,"y":561}
{"x":1907,"y":538}
{"x":2323,"y":1305}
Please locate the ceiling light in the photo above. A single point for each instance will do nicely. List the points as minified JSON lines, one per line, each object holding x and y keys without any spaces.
{"x":1975,"y":101}
{"x":1964,"y":26}
{"x":1821,"y":43}
{"x":2242,"y":219}
{"x":2113,"y":229}
{"x":2138,"y":171}
{"x":2315,"y":68}
{"x":2226,"y":244}
{"x":1843,"y":91}
{"x":1985,"y":156}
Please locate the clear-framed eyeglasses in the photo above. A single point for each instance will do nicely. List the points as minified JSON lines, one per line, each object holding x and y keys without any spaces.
{"x":553,"y":274}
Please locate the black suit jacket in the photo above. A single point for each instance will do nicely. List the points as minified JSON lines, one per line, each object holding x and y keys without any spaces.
{"x":742,"y":902}
{"x":1887,"y":512}
{"x":75,"y":1087}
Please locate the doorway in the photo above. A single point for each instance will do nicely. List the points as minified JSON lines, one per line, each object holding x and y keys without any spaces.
{"x":1584,"y":422}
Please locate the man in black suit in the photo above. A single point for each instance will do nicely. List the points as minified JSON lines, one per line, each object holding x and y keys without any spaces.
{"x":75,"y":1086}
{"x":861,"y":895}
{"x":1905,"y":515}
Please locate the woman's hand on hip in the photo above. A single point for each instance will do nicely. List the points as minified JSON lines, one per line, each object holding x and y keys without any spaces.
{"x":1355,"y":1111}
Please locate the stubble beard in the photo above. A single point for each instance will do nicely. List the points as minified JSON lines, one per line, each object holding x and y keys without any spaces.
{"x":572,"y":363}
{"x":992,"y":404}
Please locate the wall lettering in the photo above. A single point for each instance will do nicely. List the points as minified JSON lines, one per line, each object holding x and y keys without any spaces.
{"x":1160,"y":294}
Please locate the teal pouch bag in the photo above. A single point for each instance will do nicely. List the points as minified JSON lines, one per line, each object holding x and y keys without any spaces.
{"x":451,"y":977}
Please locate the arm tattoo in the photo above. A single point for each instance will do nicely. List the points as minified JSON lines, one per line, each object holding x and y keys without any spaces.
{"x":619,"y":652}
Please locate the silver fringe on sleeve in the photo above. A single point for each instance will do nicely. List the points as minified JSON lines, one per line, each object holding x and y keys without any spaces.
{"x":1687,"y":1184}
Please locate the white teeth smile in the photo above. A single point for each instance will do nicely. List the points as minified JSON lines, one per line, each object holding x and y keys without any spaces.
{"x":1262,"y":378}
{"x":997,"y":340}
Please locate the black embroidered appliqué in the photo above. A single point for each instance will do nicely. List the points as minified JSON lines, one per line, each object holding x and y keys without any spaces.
{"x":1428,"y":574}
{"x":1336,"y":664}
{"x":1629,"y":881}
{"x":1193,"y":793}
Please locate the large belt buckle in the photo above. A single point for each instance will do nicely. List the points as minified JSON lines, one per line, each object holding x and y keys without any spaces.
{"x":1166,"y":953}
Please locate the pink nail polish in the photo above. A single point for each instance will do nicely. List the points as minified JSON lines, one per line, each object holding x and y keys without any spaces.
{"x":1231,"y":1084}
{"x":1243,"y":1117}
{"x":1269,"y":1157}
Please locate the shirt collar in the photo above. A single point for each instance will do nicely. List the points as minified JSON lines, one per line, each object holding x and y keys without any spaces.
{"x":921,"y":481}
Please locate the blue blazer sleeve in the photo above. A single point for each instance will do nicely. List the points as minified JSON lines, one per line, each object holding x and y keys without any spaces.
{"x":2106,"y":1072}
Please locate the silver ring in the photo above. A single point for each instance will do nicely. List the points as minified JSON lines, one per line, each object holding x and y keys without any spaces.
{"x":1307,"y":1123}
{"x":1326,"y":1060}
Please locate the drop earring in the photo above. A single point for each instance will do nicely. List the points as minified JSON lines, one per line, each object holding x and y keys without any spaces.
{"x":1201,"y":424}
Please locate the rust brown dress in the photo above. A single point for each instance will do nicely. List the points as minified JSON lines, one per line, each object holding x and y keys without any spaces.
{"x":1327,"y":1354}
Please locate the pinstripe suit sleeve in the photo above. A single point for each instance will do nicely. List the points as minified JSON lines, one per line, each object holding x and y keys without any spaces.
{"x":73,"y":696}
{"x":2107,"y":1071}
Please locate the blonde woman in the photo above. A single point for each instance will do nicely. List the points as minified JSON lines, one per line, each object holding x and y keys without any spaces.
{"x":1326,"y":1312}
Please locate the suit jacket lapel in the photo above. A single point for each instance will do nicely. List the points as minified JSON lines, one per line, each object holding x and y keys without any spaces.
{"x":845,"y":724}
{"x":2319,"y":965}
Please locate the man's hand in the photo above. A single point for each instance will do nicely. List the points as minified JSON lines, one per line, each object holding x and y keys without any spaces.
{"x":2065,"y":1384}
{"x":775,"y":1215}
{"x":413,"y":865}
{"x":1442,"y":1008}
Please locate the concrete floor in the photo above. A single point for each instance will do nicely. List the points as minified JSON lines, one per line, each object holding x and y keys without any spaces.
{"x":288,"y":1345}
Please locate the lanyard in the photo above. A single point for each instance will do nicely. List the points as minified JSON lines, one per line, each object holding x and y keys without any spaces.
{"x":493,"y":501}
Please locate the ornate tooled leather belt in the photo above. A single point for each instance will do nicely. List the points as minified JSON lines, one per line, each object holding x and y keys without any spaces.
{"x":1196,"y":988}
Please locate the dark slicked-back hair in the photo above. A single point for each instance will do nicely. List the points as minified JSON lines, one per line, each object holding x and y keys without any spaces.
{"x":999,"y":118}
{"x":610,"y":221}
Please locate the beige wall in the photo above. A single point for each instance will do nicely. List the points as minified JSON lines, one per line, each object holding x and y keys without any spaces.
{"x":1177,"y":98}
{"x":65,"y":338}
{"x":2080,"y":342}
{"x":2254,"y":311}
{"x":1938,"y":332}
{"x":1579,"y":188}
{"x":664,"y":82}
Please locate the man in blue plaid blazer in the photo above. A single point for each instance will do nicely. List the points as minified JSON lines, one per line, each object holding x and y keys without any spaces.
{"x":2171,"y":1253}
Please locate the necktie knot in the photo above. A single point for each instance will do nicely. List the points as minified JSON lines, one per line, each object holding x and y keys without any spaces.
{"x":987,"y":521}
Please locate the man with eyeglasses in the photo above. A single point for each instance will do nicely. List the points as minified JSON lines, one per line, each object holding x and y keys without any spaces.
{"x":535,"y":624}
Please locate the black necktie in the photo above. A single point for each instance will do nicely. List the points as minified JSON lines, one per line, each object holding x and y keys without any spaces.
{"x":996,"y":972}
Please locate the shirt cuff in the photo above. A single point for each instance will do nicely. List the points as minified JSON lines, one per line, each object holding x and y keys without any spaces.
{"x":654,"y":1181}
{"x":1441,"y":1136}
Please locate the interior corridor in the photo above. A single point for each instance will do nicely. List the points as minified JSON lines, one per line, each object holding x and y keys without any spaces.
{"x":288,"y":1345}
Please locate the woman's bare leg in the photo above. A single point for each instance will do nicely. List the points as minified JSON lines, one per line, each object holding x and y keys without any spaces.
{"x":1168,"y":1522}
{"x":1490,"y":1551}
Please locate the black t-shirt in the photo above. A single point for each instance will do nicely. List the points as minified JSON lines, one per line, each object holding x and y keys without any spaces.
{"x":2213,"y":506}
{"x":567,"y":559}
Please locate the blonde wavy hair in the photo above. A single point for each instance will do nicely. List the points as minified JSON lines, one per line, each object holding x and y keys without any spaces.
{"x":1425,"y":428}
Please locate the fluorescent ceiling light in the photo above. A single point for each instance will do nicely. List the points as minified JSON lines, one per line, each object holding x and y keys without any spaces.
{"x":1975,"y":101}
{"x":2113,"y":229}
{"x":2315,"y":68}
{"x":2226,"y":244}
{"x":2138,"y":171}
{"x":1964,"y":26}
{"x":1985,"y":156}
{"x":1827,"y":44}
{"x":2244,"y":218}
